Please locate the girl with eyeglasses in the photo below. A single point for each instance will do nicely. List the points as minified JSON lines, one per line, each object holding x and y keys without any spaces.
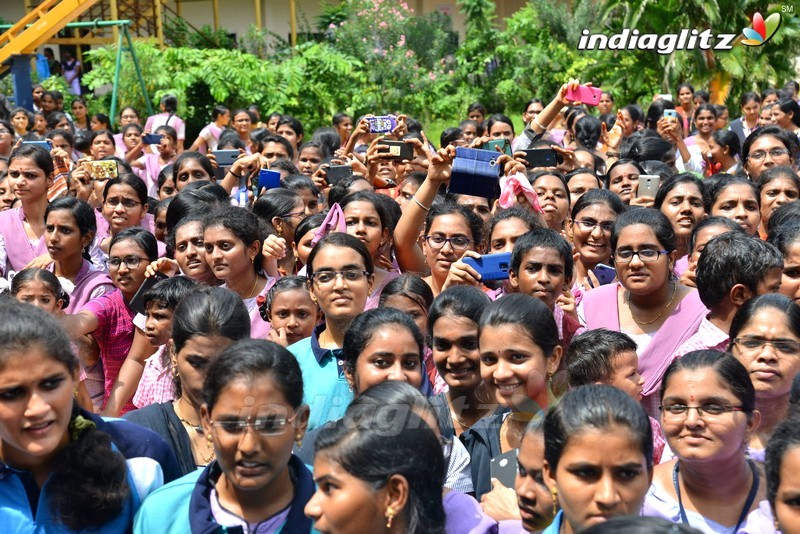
{"x":252,"y":413}
{"x":770,"y":146}
{"x":593,"y":218}
{"x":109,"y":317}
{"x":205,"y":322}
{"x":647,"y":303}
{"x":765,"y":338}
{"x":124,"y":206}
{"x":709,"y":415}
{"x":340,"y":277}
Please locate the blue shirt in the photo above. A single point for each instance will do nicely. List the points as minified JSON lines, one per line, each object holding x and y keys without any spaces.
{"x":325,"y":388}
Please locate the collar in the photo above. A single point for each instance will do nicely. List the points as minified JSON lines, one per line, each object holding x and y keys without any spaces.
{"x":202,"y":521}
{"x":319,"y":352}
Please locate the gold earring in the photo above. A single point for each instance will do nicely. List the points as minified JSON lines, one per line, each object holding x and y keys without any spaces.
{"x":299,"y":440}
{"x":389,"y":516}
{"x":554,"y":493}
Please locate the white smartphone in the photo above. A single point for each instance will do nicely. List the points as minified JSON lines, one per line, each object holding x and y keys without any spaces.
{"x":648,"y":185}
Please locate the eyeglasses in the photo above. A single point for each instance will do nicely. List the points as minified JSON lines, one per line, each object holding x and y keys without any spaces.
{"x":757,"y":344}
{"x":758,"y":155}
{"x":271,"y":426}
{"x":294,"y":214}
{"x":712,"y":410}
{"x":436,"y":242}
{"x":131,"y":262}
{"x":327,"y":277}
{"x":127,"y":203}
{"x":588,"y":225}
{"x":647,"y":255}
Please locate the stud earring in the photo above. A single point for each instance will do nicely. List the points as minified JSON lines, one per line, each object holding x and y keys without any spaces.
{"x":389,"y":516}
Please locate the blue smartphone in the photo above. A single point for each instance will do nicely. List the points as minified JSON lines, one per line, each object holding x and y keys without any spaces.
{"x":152,"y":139}
{"x":491,"y":266}
{"x":47,"y":145}
{"x":605,"y":274}
{"x":268,"y":179}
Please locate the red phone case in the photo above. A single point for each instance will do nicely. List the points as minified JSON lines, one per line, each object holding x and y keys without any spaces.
{"x":585,"y":95}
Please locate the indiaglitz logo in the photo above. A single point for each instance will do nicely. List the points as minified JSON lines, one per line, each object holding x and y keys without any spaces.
{"x":687,"y":39}
{"x":762,"y":30}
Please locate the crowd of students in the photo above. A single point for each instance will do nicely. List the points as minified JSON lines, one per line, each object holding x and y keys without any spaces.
{"x":185,"y":350}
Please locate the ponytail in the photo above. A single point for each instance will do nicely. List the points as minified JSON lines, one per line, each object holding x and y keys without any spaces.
{"x":89,"y":484}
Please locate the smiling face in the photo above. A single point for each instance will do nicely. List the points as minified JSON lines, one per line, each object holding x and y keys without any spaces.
{"x":251,"y":462}
{"x":621,"y":181}
{"x":771,"y":370}
{"x":553,"y":198}
{"x":35,"y":407}
{"x":683,"y":206}
{"x":227,"y":255}
{"x":456,"y":353}
{"x":345,"y":128}
{"x":602,"y":473}
{"x":294,"y":310}
{"x":782,"y":119}
{"x":776,"y":193}
{"x":242,"y":123}
{"x":390,"y":354}
{"x":764,"y":146}
{"x":705,"y":122}
{"x":738,"y":203}
{"x":708,"y":437}
{"x":593,"y":245}
{"x":514,"y":368}
{"x":637,"y":276}
{"x":340,"y":298}
{"x":541,"y":275}
{"x":440,"y":260}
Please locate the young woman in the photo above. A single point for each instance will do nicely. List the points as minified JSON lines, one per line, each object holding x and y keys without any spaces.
{"x":453,"y":330}
{"x":204,"y":323}
{"x":100,"y":121}
{"x":777,"y":186}
{"x":208,"y":138}
{"x":593,"y":218}
{"x":192,"y":167}
{"x":149,"y":165}
{"x":680,"y":198}
{"x":232,"y":239}
{"x":786,"y":114}
{"x":241,"y":122}
{"x":596,"y":429}
{"x":722,"y":154}
{"x":310,"y":155}
{"x":500,"y":127}
{"x":50,"y":447}
{"x":127,"y":115}
{"x":102,"y":145}
{"x":291,"y":129}
{"x":283,"y":209}
{"x":69,"y":230}
{"x":553,"y":198}
{"x":130,"y":141}
{"x":623,"y":177}
{"x":381,"y":482}
{"x":520,"y":351}
{"x":22,"y":121}
{"x":124,"y":206}
{"x":765,"y":338}
{"x":735,"y":198}
{"x":252,"y":414}
{"x":167,"y":117}
{"x":344,"y":126}
{"x":80,"y":112}
{"x":705,"y":119}
{"x":786,"y":238}
{"x":709,"y":414}
{"x":340,"y":275}
{"x":782,"y":463}
{"x":366,"y":219}
{"x":750,"y":104}
{"x":686,"y":106}
{"x":647,"y":303}
{"x":30,"y":174}
{"x":769,"y":146}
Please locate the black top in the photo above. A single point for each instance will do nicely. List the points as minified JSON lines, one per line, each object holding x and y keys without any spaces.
{"x":161,"y":419}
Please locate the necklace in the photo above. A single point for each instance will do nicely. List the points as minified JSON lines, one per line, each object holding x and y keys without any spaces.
{"x":197,"y":428}
{"x":196,"y":437}
{"x":250,"y":294}
{"x":461,"y":423}
{"x":645,"y":323}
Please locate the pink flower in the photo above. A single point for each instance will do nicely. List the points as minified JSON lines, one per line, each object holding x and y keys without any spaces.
{"x":382,"y":24}
{"x":331,"y":26}
{"x":409,"y":53}
{"x":432,"y":76}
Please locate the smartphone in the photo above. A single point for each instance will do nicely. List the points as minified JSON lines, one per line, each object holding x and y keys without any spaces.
{"x":268,"y":179}
{"x":542,"y":157}
{"x":225,"y":158}
{"x":648,"y":185}
{"x":670,"y":114}
{"x":665,"y":96}
{"x":585,"y":94}
{"x":47,"y":145}
{"x":399,"y":150}
{"x":103,"y":170}
{"x":137,"y":302}
{"x":605,"y":274}
{"x":152,"y":139}
{"x":504,"y":144}
{"x":504,"y":468}
{"x":382,"y":123}
{"x":334,"y":173}
{"x":491,"y":266}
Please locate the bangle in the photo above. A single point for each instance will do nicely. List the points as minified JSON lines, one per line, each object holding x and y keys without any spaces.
{"x":536,"y":122}
{"x":420,"y":204}
{"x":613,"y":154}
{"x":230,"y":171}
